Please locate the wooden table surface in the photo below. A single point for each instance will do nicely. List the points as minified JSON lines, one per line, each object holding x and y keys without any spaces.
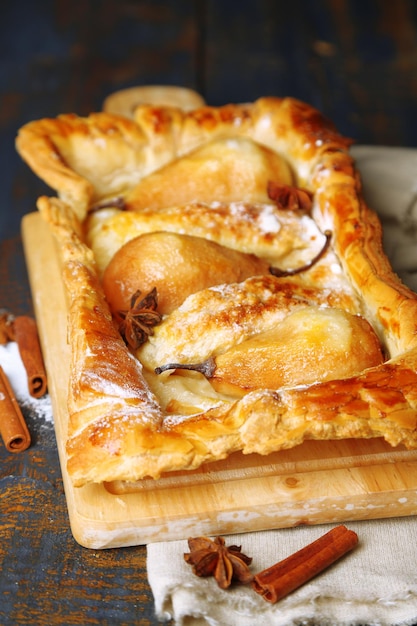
{"x":355,"y":60}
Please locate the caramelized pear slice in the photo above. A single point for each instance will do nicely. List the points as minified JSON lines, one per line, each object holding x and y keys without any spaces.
{"x":311,"y":345}
{"x":177,"y":265}
{"x":226,"y":169}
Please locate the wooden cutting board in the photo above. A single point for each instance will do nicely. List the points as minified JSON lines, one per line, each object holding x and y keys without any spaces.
{"x":317,"y":482}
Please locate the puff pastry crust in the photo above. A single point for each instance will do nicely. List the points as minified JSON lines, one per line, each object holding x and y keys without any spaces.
{"x":205,"y":173}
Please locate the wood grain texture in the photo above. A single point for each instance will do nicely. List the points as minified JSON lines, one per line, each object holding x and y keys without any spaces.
{"x":317,"y":482}
{"x":355,"y":60}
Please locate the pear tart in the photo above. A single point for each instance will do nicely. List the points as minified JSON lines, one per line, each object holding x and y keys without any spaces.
{"x":227,"y":287}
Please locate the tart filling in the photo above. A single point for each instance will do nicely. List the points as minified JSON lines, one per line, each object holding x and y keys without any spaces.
{"x":227,"y":285}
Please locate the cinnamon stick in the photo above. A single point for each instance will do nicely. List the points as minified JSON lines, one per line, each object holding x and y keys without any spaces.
{"x":27,"y":339}
{"x":13,"y":428}
{"x":278,"y":581}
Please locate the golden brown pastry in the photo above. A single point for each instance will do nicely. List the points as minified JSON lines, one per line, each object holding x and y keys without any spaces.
{"x":306,"y":330}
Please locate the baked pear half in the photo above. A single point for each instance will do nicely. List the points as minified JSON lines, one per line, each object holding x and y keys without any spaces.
{"x":227,"y":286}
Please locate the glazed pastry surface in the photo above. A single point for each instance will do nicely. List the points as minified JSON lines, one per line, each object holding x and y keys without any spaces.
{"x":277,"y":317}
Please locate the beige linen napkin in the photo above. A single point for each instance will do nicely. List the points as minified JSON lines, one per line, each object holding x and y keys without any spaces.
{"x":376,"y":584}
{"x":389,"y":178}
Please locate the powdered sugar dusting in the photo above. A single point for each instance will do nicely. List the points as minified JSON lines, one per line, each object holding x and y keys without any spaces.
{"x":261,"y":216}
{"x":268,"y":221}
{"x":14,"y":369}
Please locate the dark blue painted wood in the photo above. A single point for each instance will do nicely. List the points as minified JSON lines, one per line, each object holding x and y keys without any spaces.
{"x":355,"y":60}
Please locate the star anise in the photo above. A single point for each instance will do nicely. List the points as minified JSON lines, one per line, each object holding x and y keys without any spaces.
{"x":291,"y":198}
{"x":212,"y":558}
{"x":139,"y":320}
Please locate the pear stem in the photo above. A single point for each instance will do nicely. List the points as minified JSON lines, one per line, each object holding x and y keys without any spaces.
{"x":276,"y":271}
{"x":207,"y":368}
